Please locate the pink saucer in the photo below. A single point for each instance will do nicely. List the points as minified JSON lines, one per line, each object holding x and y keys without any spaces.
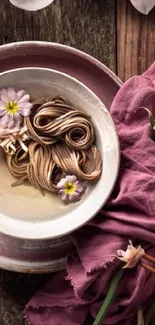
{"x":42,"y":256}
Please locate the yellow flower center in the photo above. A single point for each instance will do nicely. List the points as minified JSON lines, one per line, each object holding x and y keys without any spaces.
{"x":69,"y":188}
{"x":12,"y":107}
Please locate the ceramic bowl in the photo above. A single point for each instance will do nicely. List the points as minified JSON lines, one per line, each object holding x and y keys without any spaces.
{"x":31,"y":5}
{"x":24,"y":213}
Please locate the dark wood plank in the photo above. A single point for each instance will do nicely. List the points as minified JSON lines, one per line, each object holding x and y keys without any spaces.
{"x":88,"y":25}
{"x":15,"y":291}
{"x":135,"y":40}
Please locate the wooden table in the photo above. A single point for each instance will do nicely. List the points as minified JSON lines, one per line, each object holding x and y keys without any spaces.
{"x":113,"y":32}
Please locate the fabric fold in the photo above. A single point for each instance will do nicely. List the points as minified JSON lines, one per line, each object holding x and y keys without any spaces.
{"x":129,"y":214}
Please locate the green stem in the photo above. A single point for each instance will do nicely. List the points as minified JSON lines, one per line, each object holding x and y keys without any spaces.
{"x":150,"y":313}
{"x":109,"y":297}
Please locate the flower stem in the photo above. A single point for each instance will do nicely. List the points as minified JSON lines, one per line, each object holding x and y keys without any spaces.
{"x":140,"y":318}
{"x":109,"y":297}
{"x":150,"y":313}
{"x":152,"y":122}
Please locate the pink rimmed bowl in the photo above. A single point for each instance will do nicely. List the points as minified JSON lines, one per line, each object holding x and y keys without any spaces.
{"x":24,"y":213}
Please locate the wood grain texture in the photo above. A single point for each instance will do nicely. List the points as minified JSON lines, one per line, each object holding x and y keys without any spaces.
{"x":15,"y":291}
{"x":135,"y":40}
{"x":88,"y":25}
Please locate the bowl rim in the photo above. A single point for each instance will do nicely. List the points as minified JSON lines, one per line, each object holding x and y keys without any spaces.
{"x":67,"y":229}
{"x":65,"y":48}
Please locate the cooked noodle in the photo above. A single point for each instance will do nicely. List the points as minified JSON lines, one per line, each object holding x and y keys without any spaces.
{"x":61,"y":142}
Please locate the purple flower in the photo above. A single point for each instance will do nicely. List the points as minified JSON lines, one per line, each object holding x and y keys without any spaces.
{"x":70,"y":188}
{"x":13,"y":107}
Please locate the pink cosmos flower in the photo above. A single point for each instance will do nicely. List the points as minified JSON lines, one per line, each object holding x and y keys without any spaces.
{"x":70,"y":188}
{"x":131,"y":256}
{"x":13,"y":107}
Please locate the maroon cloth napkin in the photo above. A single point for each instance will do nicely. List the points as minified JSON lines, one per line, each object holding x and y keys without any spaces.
{"x":129,"y":214}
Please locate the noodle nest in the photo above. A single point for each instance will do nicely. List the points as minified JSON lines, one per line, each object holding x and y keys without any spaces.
{"x":61,"y":141}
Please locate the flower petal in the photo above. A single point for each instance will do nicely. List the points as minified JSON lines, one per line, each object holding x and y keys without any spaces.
{"x":4,"y":120}
{"x":74,"y":196}
{"x":24,"y":108}
{"x":3,"y":133}
{"x":12,"y":95}
{"x":131,"y":256}
{"x":134,"y":260}
{"x":71,"y":178}
{"x":18,"y":120}
{"x":11,"y":123}
{"x":79,"y":187}
{"x":62,"y":183}
{"x":15,"y":121}
{"x":2,"y":105}
{"x":120,"y":253}
{"x":3,"y":111}
{"x":64,"y":197}
{"x":20,"y":94}
{"x":4,"y":96}
{"x":25,"y":98}
{"x":61,"y":191}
